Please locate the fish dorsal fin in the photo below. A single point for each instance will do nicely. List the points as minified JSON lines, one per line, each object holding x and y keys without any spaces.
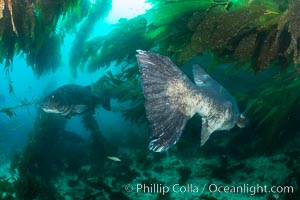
{"x":201,"y":77}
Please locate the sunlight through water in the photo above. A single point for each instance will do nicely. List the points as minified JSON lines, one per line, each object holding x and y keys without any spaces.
{"x":126,"y":9}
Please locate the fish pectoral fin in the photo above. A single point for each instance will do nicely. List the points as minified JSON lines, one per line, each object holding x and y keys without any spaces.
{"x":206,"y":130}
{"x":80,"y":108}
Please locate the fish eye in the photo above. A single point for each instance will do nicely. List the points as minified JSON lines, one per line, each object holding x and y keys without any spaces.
{"x":52,"y":96}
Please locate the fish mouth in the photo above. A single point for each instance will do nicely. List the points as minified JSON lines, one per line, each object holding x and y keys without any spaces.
{"x":49,"y":110}
{"x":242,"y":121}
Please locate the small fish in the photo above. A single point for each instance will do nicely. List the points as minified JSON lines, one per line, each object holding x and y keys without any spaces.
{"x":114,"y":158}
{"x":70,"y":100}
{"x":171,"y":99}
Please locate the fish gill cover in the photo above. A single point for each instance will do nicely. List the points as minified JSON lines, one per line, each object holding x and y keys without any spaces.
{"x":250,"y":35}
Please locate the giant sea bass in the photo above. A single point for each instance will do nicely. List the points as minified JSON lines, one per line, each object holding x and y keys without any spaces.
{"x":69,"y":100}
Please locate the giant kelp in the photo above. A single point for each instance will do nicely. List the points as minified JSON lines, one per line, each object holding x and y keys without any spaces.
{"x":176,"y":9}
{"x":25,"y":28}
{"x":31,"y":27}
{"x":251,"y":32}
{"x":119,"y":46}
{"x":82,"y":48}
{"x":273,"y":111}
{"x":98,"y":144}
{"x":294,"y":29}
{"x":142,"y":32}
{"x":123,"y":87}
{"x":260,"y":34}
{"x":254,"y":34}
{"x":11,"y":111}
{"x":7,"y":189}
{"x":52,"y":155}
{"x":35,"y":164}
{"x":51,"y":151}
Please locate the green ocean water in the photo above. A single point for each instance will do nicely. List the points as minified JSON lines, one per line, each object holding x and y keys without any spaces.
{"x":250,"y":47}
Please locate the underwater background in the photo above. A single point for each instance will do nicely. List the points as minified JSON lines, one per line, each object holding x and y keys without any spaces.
{"x":251,"y":47}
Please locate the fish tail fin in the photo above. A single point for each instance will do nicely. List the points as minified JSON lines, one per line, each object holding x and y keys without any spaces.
{"x":165,"y":87}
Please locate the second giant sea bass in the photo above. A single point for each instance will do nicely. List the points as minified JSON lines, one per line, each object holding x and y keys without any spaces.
{"x":69,"y":100}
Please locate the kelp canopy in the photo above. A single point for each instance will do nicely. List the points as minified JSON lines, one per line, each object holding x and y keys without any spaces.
{"x":252,"y":32}
{"x":259,"y":33}
{"x":31,"y":27}
{"x":256,"y":33}
{"x":249,"y":34}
